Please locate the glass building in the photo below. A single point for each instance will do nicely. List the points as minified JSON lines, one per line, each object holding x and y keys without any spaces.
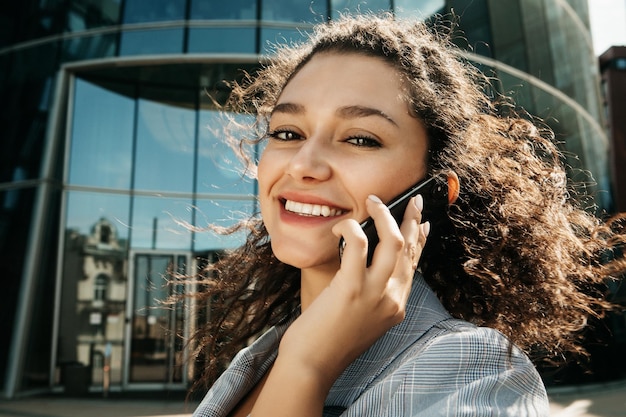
{"x":111,"y":149}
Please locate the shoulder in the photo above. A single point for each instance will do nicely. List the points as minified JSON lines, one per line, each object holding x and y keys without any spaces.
{"x":462,"y":341}
{"x":466,"y":353}
{"x":463,"y":370}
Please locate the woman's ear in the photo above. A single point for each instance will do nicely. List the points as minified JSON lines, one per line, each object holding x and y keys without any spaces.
{"x":453,"y":187}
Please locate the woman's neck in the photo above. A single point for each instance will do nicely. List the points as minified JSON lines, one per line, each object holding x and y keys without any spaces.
{"x":313,"y":282}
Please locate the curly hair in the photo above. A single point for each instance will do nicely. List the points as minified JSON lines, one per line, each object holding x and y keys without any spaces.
{"x":518,"y":252}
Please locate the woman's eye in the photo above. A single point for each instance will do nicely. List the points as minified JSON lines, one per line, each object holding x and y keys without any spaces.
{"x":285,"y":135}
{"x":364,"y":141}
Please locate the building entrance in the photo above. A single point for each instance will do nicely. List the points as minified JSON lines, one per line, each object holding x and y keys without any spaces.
{"x":155,"y":352}
{"x":118,"y":327}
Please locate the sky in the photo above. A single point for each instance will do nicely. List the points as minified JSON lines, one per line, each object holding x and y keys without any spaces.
{"x":608,"y":24}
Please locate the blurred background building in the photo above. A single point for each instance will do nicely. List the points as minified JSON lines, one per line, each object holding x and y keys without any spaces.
{"x":613,"y":71}
{"x":110,"y":148}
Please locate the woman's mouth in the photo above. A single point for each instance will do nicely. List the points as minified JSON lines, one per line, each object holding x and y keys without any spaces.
{"x":314,"y":210}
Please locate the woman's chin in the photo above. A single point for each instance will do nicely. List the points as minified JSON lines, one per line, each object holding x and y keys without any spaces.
{"x":303,"y":259}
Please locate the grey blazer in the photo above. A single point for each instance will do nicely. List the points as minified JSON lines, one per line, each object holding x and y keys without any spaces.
{"x":429,"y":365}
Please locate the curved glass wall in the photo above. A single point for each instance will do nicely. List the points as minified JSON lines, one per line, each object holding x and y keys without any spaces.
{"x":556,"y":82}
{"x":154,"y":142}
{"x":147,"y":173}
{"x":89,"y":29}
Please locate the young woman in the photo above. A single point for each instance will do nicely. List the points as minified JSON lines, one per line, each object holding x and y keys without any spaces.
{"x":441,"y":320}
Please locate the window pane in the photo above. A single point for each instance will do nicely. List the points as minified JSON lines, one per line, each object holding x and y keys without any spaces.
{"x":272,"y":36}
{"x":219,"y":169}
{"x":475,"y":26}
{"x":418,"y":9}
{"x":223,"y":10}
{"x":294,"y":11}
{"x":89,"y":14}
{"x":101,"y":137}
{"x":84,"y":210}
{"x":165,"y":143}
{"x":156,"y":41}
{"x":157,"y":223}
{"x":26,"y":91}
{"x":222,"y":213}
{"x":40,"y":323}
{"x":88,"y":47}
{"x":152,"y":343}
{"x":358,"y":7}
{"x":222,"y":39}
{"x":138,"y":11}
{"x":16,"y":206}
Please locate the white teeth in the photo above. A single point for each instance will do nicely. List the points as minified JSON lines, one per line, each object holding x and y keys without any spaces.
{"x":311,"y":209}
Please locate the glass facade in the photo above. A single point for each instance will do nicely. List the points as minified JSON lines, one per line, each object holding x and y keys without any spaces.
{"x":113,"y":167}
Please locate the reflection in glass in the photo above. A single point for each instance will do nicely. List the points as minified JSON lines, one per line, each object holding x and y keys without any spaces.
{"x":271,"y":36}
{"x":93,"y":293}
{"x":294,"y":11}
{"x":165,"y":147}
{"x":159,"y":223}
{"x":412,"y":9}
{"x":599,"y":163}
{"x":339,"y":7}
{"x":177,"y":149}
{"x":33,"y":65}
{"x":139,"y":11}
{"x":509,"y":39}
{"x":16,"y":208}
{"x":89,"y":14}
{"x":219,"y":169}
{"x":155,"y":354}
{"x":475,"y":26}
{"x":220,"y":213}
{"x":101,"y":137}
{"x":88,"y":47}
{"x":27,"y":87}
{"x":222,"y":40}
{"x":518,"y":90}
{"x":86,"y":209}
{"x":155,"y":41}
{"x":223,"y":10}
{"x":536,"y":31}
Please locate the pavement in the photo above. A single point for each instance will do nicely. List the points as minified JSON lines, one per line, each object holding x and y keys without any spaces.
{"x":601,"y":400}
{"x":93,"y":405}
{"x":598,"y":400}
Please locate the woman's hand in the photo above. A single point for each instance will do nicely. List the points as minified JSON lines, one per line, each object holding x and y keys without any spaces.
{"x":357,"y":308}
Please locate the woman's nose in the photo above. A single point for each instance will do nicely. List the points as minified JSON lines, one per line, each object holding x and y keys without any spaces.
{"x":310,"y":161}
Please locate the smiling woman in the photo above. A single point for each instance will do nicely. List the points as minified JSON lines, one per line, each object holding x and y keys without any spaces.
{"x":331,"y":149}
{"x":512,"y":266}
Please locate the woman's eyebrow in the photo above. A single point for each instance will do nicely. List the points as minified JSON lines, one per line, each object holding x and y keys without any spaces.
{"x":345,"y":112}
{"x":352,"y":112}
{"x":289,"y":108}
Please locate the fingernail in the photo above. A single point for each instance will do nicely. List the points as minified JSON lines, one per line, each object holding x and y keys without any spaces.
{"x":419,"y":202}
{"x":375,"y":199}
{"x":426,"y":228}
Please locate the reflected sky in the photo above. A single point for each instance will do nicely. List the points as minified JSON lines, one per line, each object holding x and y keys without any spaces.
{"x":84,"y":209}
{"x":340,"y":7}
{"x":418,"y":10}
{"x":162,"y":145}
{"x":157,"y":223}
{"x":164,"y":158}
{"x":101,"y":137}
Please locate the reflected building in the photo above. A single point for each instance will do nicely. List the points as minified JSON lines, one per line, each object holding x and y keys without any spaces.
{"x":92,"y":308}
{"x":111,"y":147}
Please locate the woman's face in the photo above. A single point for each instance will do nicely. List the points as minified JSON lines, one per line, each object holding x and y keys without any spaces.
{"x":339,"y":132}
